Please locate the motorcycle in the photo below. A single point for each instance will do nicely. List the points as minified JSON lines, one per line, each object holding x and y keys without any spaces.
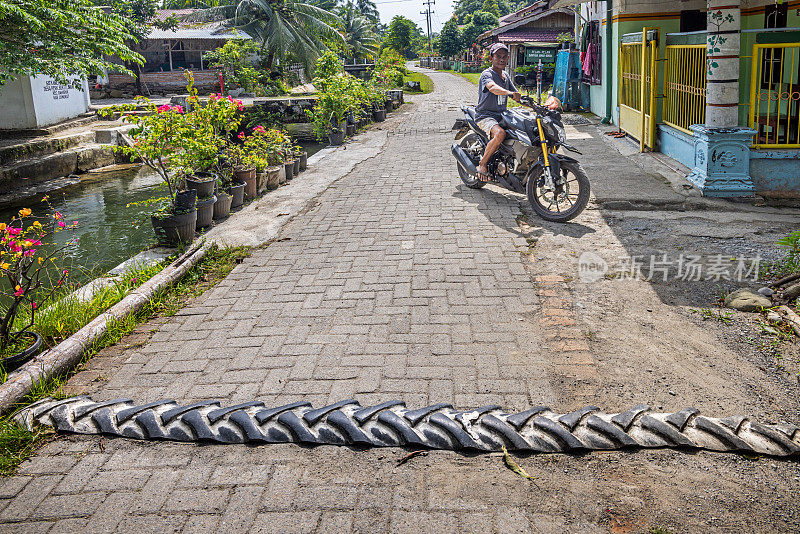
{"x":527,"y":161}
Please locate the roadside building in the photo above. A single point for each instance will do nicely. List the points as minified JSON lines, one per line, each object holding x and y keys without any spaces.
{"x":711,"y":83}
{"x":531,"y":34}
{"x":169,"y":53}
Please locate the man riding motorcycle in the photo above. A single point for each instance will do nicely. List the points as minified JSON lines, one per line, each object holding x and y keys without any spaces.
{"x":494,"y":88}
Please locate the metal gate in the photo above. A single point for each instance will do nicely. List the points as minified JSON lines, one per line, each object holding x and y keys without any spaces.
{"x":775,"y":95}
{"x":637,"y":100}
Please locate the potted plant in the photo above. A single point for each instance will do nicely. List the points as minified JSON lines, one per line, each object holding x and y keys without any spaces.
{"x":23,"y":263}
{"x":565,"y":39}
{"x":158,"y":137}
{"x":222,"y":207}
{"x":243,"y":168}
{"x":331,"y":109}
{"x":302,"y":157}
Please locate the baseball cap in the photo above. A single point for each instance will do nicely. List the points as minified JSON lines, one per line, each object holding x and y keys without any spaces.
{"x":497,"y":46}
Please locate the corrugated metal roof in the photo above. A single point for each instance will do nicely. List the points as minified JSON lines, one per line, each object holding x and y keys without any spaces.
{"x":522,"y":35}
{"x":197,"y":33}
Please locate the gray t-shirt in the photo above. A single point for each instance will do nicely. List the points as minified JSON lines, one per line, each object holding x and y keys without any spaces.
{"x":490,"y":104}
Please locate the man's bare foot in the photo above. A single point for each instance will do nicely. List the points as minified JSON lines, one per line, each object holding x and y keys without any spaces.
{"x":483,"y":173}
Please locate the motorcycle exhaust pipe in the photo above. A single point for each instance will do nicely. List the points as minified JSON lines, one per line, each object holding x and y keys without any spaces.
{"x":462,"y":158}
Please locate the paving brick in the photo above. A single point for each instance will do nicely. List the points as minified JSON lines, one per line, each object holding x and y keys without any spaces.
{"x":289,"y":523}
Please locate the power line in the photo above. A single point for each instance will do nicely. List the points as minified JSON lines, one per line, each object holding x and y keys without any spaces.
{"x":427,"y":14}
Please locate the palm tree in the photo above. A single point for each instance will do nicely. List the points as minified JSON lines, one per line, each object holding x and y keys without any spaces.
{"x":287,"y":28}
{"x":362,"y":41}
{"x":368,"y":9}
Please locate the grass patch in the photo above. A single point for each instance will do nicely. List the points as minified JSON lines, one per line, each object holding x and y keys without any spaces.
{"x":68,"y":314}
{"x":424,"y":81}
{"x":724,"y":317}
{"x":17,"y":443}
{"x":790,"y":263}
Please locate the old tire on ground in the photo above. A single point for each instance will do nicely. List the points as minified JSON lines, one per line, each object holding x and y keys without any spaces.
{"x":470,"y":181}
{"x":576,"y":177}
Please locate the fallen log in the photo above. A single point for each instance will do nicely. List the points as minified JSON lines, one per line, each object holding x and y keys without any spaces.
{"x":785,"y":280}
{"x":791,"y":292}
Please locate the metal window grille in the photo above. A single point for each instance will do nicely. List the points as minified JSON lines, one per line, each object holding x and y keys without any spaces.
{"x":775,"y":95}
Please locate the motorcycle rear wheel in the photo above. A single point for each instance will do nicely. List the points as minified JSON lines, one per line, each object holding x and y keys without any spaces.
{"x":470,"y":181}
{"x":573,"y":201}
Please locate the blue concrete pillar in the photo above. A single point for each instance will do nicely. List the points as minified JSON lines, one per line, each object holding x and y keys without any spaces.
{"x":722,"y":161}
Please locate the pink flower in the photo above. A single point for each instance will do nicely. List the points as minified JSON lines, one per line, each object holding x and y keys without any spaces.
{"x":61,"y":224}
{"x":177,"y":109}
{"x":19,"y":291}
{"x":13,"y":231}
{"x":241,"y":135}
{"x":74,"y":223}
{"x":33,"y":305}
{"x":162,"y":109}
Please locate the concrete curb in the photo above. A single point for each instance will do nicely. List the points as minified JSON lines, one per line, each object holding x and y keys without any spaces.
{"x":67,"y":354}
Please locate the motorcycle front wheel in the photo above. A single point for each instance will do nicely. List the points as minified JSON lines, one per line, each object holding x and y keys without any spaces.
{"x":470,"y":181}
{"x":567,"y":201}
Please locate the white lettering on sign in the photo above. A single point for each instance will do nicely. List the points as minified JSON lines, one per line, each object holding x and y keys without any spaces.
{"x":60,"y":91}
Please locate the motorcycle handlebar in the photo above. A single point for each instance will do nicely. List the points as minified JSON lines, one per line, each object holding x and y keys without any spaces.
{"x":528,"y":101}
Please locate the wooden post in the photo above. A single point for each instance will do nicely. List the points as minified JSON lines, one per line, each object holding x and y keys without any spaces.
{"x":170,"y":55}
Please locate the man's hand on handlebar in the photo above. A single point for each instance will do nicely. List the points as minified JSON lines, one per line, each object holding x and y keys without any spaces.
{"x":516,"y":96}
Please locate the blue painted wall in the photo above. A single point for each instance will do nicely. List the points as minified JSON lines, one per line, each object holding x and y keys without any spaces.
{"x":776,"y":172}
{"x":675,"y":144}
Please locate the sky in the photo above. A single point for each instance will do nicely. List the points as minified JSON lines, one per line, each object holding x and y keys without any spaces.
{"x":442,"y":10}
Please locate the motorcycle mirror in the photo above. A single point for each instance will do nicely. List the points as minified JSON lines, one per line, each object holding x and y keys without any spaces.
{"x":519,"y":79}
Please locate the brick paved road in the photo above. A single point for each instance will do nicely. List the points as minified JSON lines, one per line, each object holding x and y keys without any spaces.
{"x":398,"y":283}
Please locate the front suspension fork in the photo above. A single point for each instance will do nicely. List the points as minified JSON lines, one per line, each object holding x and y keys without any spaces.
{"x":548,"y":175}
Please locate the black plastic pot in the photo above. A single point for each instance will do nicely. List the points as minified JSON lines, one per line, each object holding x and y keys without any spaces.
{"x":202,"y":182}
{"x":336,"y":138}
{"x":185,"y":201}
{"x":303,"y":160}
{"x":10,"y":363}
{"x":222,"y":207}
{"x":289,"y":166}
{"x":237,"y":194}
{"x":175,"y":228}
{"x":205,"y":211}
{"x":351,"y":130}
{"x":296,"y":167}
{"x":379,"y":115}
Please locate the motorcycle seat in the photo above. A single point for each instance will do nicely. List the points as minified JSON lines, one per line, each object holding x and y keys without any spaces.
{"x":469,"y":111}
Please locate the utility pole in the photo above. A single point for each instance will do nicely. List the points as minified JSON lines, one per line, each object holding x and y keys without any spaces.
{"x":427,"y":14}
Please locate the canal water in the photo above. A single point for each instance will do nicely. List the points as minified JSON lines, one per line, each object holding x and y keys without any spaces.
{"x":110,"y":230}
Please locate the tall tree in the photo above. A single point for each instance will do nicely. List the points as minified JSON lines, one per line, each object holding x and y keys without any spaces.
{"x":463,"y":8}
{"x":450,"y":42}
{"x":481,"y":22}
{"x":402,"y":35}
{"x":361,"y":40}
{"x":490,"y":6}
{"x":369,"y":10}
{"x":60,"y":38}
{"x":288,"y":29}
